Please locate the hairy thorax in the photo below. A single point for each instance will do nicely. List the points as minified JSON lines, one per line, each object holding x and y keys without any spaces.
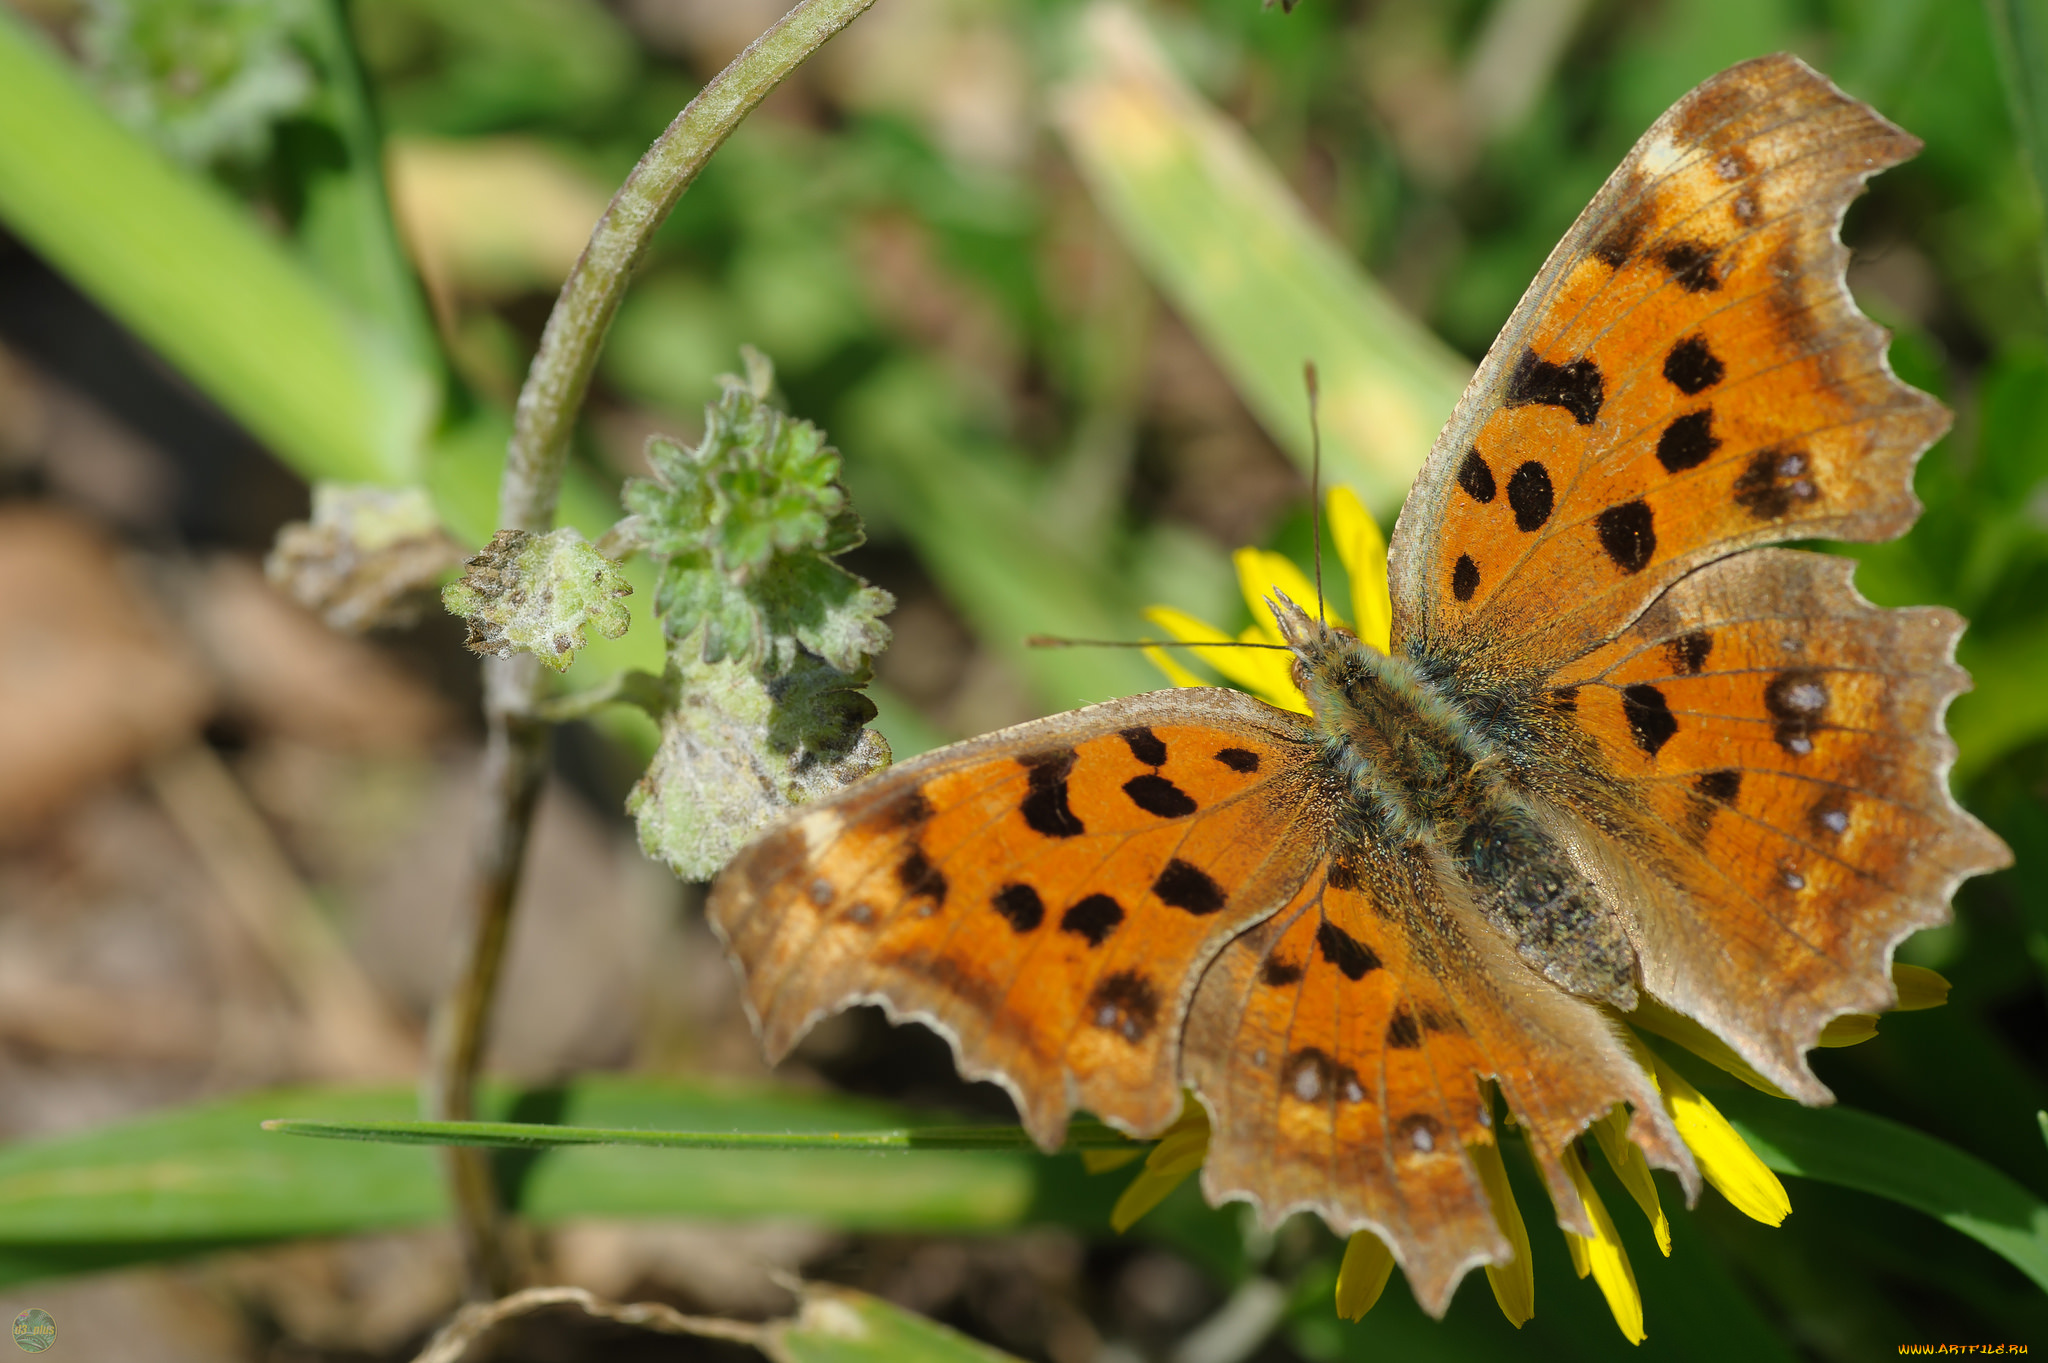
{"x":1419,"y":769}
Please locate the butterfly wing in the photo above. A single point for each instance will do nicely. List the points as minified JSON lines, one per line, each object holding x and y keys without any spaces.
{"x":1687,"y":377}
{"x":1339,"y":1045}
{"x":1771,"y":743}
{"x":1686,"y":380}
{"x":1045,"y":896}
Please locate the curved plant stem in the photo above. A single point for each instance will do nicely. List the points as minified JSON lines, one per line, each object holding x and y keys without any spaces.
{"x":515,"y":755}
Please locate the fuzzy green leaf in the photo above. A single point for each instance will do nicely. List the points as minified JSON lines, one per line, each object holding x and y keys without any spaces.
{"x":535,"y":593}
{"x":746,"y":523}
{"x":740,"y":746}
{"x":204,"y":79}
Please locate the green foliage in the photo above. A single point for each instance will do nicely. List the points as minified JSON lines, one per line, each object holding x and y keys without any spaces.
{"x":746,"y":525}
{"x":205,"y":79}
{"x":740,"y":745}
{"x":182,"y":1181}
{"x":535,"y":593}
{"x":769,"y":639}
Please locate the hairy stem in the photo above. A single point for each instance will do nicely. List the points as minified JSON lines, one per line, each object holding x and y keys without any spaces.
{"x":515,"y":755}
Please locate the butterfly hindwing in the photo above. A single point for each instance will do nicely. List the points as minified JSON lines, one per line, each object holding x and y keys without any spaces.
{"x":1045,"y":896}
{"x":1773,"y":744}
{"x":1339,"y":1047}
{"x":1687,"y":377}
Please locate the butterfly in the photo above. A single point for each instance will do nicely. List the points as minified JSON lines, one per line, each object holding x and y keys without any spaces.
{"x":1619,"y":749}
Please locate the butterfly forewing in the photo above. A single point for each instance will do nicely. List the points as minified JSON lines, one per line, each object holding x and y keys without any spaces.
{"x":1686,"y":378}
{"x":1773,"y":743}
{"x":1046,"y":896}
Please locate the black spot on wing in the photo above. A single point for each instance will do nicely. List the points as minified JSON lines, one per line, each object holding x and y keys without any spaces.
{"x":1775,"y":482}
{"x":1239,"y":759}
{"x":1404,"y":1033}
{"x":1711,"y":791}
{"x":1278,"y":973}
{"x":1531,"y":496}
{"x":1145,"y":745}
{"x":1688,"y":441}
{"x":909,"y":809}
{"x":1124,"y":1002}
{"x":1464,"y":578}
{"x":1346,"y":952}
{"x":1189,"y":888}
{"x":1577,"y":387}
{"x":1721,"y":786}
{"x":1475,"y":477}
{"x":1692,"y":368}
{"x":1156,"y":795}
{"x":1565,"y":700}
{"x":1650,"y":720}
{"x":1343,"y":873}
{"x":1021,"y":905}
{"x":1093,"y":919}
{"x":1620,"y":239}
{"x":919,"y":878}
{"x":1688,"y":652}
{"x":1692,"y":265}
{"x":1629,"y":534}
{"x":1045,"y":802}
{"x":1798,"y":703}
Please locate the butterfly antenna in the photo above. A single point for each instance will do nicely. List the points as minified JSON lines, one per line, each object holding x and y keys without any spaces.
{"x":1315,"y":480}
{"x":1061,"y":641}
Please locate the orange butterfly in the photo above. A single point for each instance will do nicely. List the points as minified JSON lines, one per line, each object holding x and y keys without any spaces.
{"x":1617,"y":749}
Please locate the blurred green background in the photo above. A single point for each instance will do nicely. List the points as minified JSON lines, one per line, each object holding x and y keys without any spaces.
{"x":1046,"y":273}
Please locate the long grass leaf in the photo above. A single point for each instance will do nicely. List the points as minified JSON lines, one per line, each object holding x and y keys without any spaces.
{"x":1874,"y":1155}
{"x":193,"y":276}
{"x":1222,"y":236}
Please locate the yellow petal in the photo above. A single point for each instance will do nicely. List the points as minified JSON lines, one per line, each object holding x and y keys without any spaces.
{"x":1363,"y":551}
{"x":1259,"y":571}
{"x":1918,"y":988}
{"x":1625,"y":1157}
{"x":1179,"y":1153}
{"x":1147,"y":1191}
{"x":1275,"y":671}
{"x":1850,"y":1029}
{"x":1175,"y":673}
{"x":1723,"y":1156}
{"x":1264,"y":672}
{"x":1102,"y":1161}
{"x":1654,"y":1017}
{"x":1363,"y":1275}
{"x":1514,"y":1282}
{"x":1603,"y":1256}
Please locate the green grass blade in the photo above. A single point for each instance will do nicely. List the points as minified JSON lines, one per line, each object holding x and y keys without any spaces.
{"x":1873,"y":1155}
{"x":187,"y":271}
{"x":840,"y":1325}
{"x":2020,"y":32}
{"x":1222,"y":236}
{"x":538,"y":1135}
{"x":198,"y":1178}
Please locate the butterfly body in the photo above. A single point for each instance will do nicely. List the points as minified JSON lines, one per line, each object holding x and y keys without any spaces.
{"x":1618,"y":747}
{"x":1420,"y":771}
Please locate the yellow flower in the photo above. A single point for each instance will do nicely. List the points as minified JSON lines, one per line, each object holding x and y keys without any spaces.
{"x":1725,"y":1159}
{"x":1266,"y":672}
